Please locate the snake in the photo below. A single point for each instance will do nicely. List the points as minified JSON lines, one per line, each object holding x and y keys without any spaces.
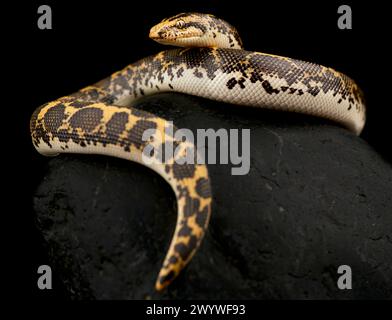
{"x":209,"y":61}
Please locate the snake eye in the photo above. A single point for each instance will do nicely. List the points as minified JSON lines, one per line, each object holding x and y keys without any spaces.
{"x":180,"y":24}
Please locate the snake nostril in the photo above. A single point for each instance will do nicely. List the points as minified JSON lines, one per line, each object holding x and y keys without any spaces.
{"x":162,"y":34}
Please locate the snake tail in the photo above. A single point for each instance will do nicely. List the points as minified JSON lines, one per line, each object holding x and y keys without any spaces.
{"x":69,"y":125}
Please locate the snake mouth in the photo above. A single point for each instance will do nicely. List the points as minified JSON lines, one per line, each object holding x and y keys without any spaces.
{"x":174,"y":37}
{"x":188,"y":41}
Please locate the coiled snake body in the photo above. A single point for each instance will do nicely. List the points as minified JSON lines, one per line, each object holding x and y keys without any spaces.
{"x":99,"y":120}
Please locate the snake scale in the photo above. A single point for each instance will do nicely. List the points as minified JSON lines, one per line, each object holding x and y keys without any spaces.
{"x":210,"y":63}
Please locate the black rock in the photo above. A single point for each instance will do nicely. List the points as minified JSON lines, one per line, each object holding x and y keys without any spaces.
{"x":316,"y":197}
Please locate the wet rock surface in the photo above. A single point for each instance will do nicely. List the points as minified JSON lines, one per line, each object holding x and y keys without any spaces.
{"x":316,"y":197}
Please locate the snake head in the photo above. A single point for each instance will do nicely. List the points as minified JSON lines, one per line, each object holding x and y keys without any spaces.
{"x":196,"y":30}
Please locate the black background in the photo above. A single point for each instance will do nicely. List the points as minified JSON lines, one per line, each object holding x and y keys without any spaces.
{"x":92,"y":39}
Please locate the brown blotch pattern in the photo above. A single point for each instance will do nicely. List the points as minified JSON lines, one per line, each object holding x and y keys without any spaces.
{"x":136,"y":133}
{"x":203,"y":188}
{"x":86,"y":119}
